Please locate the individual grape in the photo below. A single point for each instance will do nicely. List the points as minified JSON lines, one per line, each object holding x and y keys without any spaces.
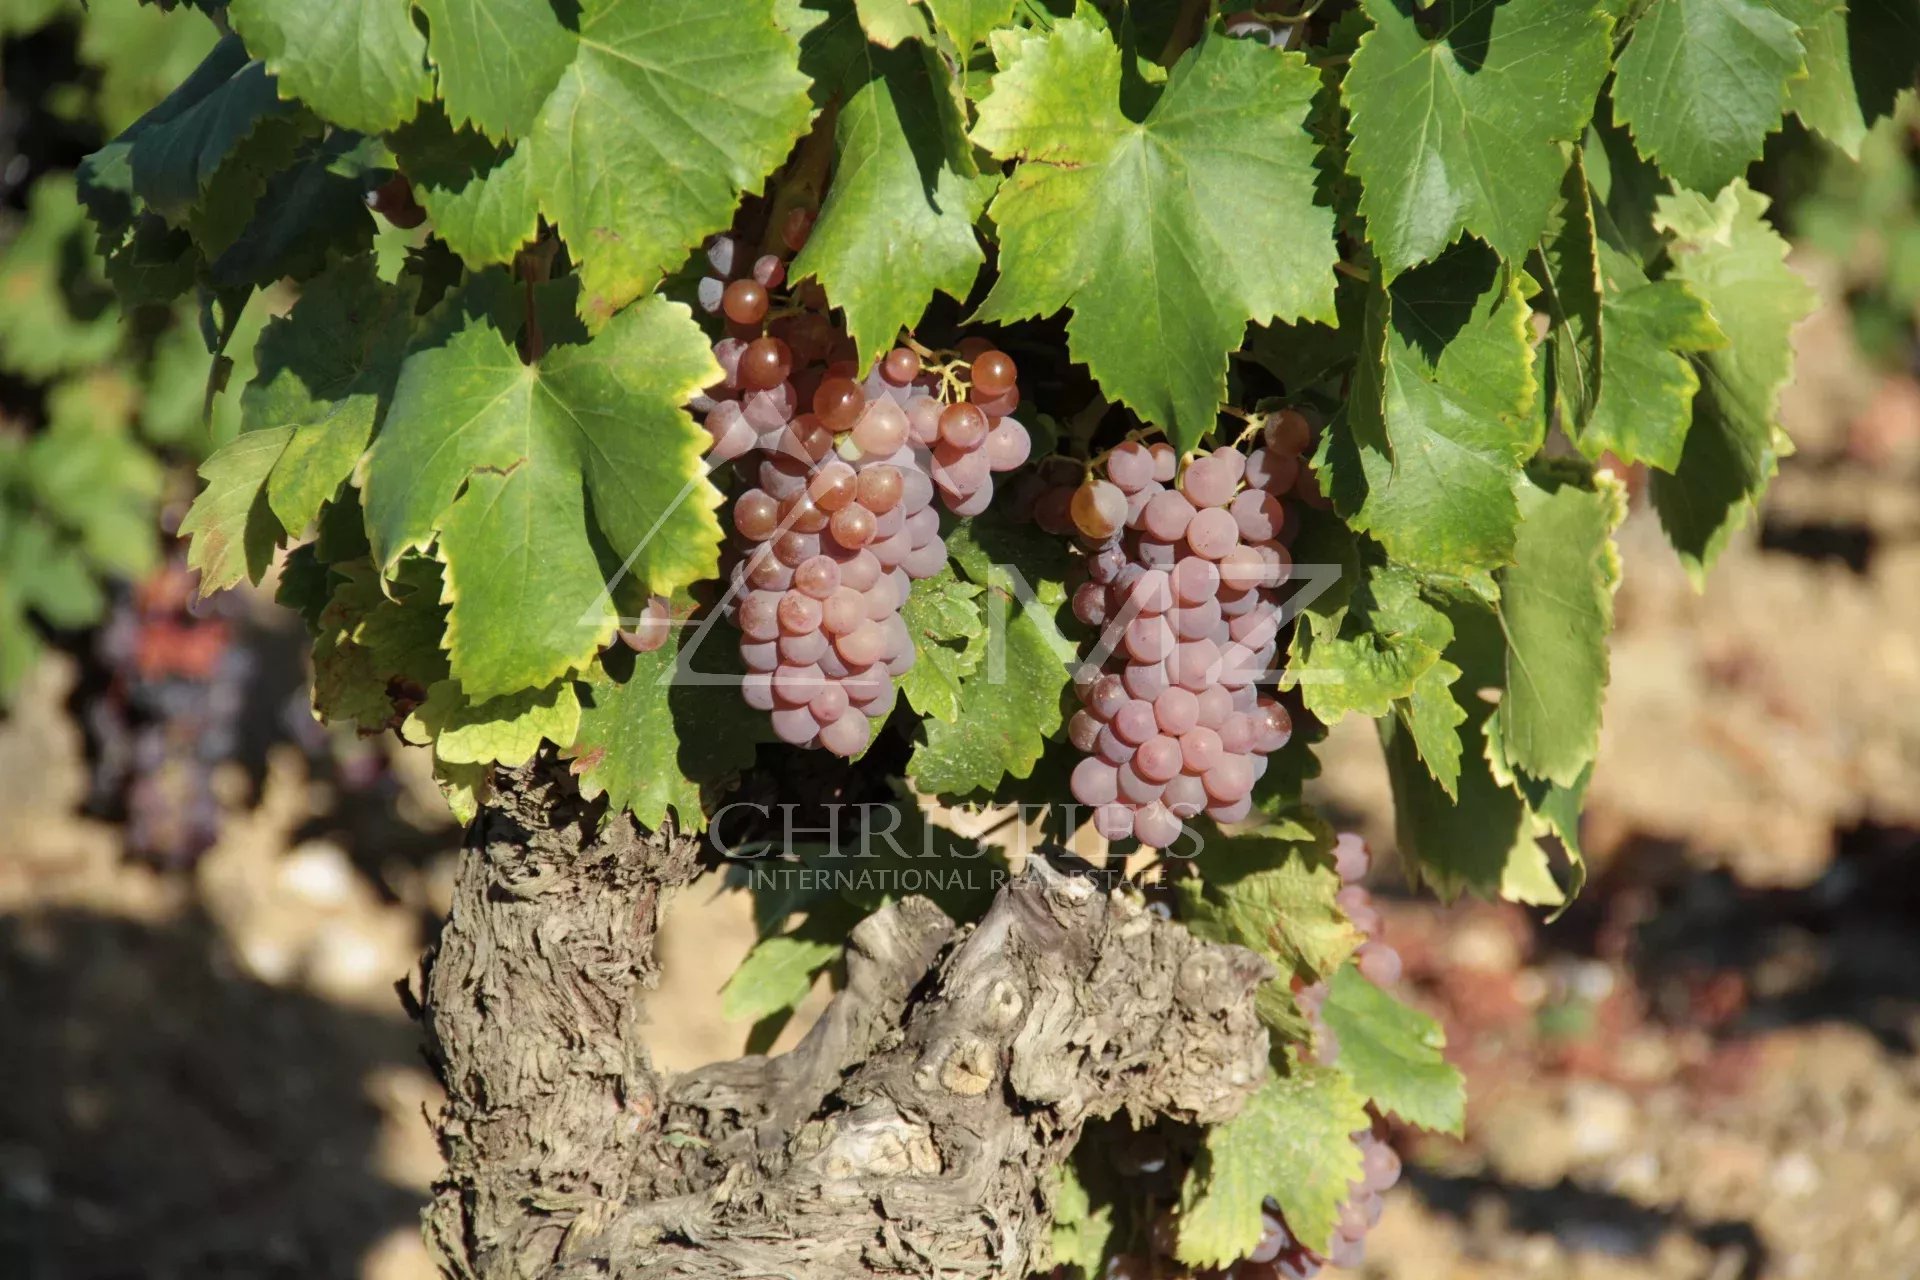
{"x":1379,"y":963}
{"x":839,"y":402}
{"x":1151,"y":594}
{"x":848,"y":735}
{"x":852,"y":526}
{"x":795,"y":725}
{"x":759,"y":615}
{"x":1094,"y":782}
{"x":1156,"y":826}
{"x":1130,"y":466}
{"x":1194,"y":580}
{"x":1350,"y":857}
{"x":765,"y":363}
{"x":801,"y":648}
{"x":795,"y":685}
{"x":993,"y":372}
{"x":1212,"y":533}
{"x":653,"y":627}
{"x":1167,"y":515}
{"x":1357,"y":903}
{"x":1287,"y":433}
{"x":1090,"y":603}
{"x":900,"y":366}
{"x":756,"y":689}
{"x":1185,"y":795}
{"x":1149,"y":639}
{"x":880,"y":488}
{"x":1145,"y":680}
{"x":760,"y":655}
{"x":756,"y":515}
{"x":808,"y":440}
{"x":923,"y":421}
{"x":1083,"y":731}
{"x":1099,"y":509}
{"x":1200,"y":751}
{"x":1134,"y":721}
{"x":1109,"y":747}
{"x":770,"y":272}
{"x":796,"y":227}
{"x":801,"y":514}
{"x":1008,"y":445}
{"x":881,"y":429}
{"x":729,"y":434}
{"x":745,"y":301}
{"x":793,"y":546}
{"x":818,"y":577}
{"x":1113,"y":821}
{"x":1158,"y":758}
{"x":1176,"y":711}
{"x":963,"y":426}
{"x":1209,"y":481}
{"x":828,"y":704}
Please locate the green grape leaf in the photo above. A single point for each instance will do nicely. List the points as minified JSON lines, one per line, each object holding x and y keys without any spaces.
{"x":1371,"y":649}
{"x":943,"y":615}
{"x":308,"y":213}
{"x":376,"y":648}
{"x":1393,"y":1055}
{"x":898,"y":220}
{"x":777,"y":974}
{"x":639,"y":148}
{"x":968,"y":22}
{"x":1142,"y":225}
{"x":650,"y":737}
{"x":1262,"y":891}
{"x":360,"y":63}
{"x":1556,"y":604}
{"x":90,"y":474}
{"x":1010,"y":703}
{"x":1293,"y":1142}
{"x":1826,"y":100}
{"x":1726,"y":253}
{"x":1465,"y":131}
{"x":326,"y":369}
{"x":1479,"y":835}
{"x":1701,"y":83}
{"x":231,"y":525}
{"x":889,"y":22}
{"x":169,"y":155}
{"x":505,"y":730}
{"x":1432,"y":717}
{"x":479,"y":193}
{"x":498,"y":60}
{"x":1652,"y":328}
{"x":1081,"y":1230}
{"x":1567,"y":265}
{"x":516,"y":469}
{"x":59,"y":314}
{"x":1441,"y":421}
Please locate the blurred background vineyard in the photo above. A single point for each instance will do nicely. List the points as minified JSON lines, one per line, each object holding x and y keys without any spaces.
{"x":1706,"y":1069}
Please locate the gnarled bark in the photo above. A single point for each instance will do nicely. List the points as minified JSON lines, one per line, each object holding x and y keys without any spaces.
{"x":914,"y":1131}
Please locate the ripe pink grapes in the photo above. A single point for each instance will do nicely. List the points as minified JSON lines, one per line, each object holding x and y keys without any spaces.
{"x":1183,"y":576}
{"x":835,"y":474}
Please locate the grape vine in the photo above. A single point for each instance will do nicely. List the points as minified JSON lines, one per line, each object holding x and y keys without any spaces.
{"x":990,"y":376}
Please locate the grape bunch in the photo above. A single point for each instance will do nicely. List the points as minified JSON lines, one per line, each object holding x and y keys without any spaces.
{"x":832,"y":517}
{"x":1183,"y":570}
{"x":1377,"y":961}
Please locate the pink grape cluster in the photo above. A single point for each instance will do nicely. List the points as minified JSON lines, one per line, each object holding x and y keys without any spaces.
{"x":833,"y":517}
{"x":1183,"y":580}
{"x":1376,"y":959}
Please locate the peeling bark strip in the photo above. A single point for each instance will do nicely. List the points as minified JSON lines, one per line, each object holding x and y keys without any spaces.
{"x":915,"y":1130}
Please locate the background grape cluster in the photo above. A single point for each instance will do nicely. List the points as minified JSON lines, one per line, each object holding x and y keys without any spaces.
{"x":835,"y":474}
{"x":1183,"y":569}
